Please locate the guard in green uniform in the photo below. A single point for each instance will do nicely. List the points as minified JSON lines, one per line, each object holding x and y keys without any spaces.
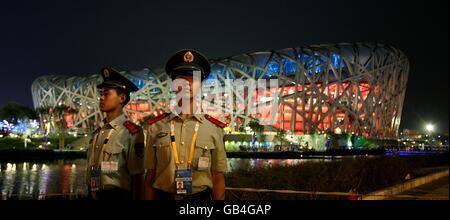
{"x":116,"y":150}
{"x":185,"y":152}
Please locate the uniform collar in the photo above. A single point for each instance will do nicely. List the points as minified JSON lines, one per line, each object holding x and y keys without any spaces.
{"x":116,"y":122}
{"x":199,"y":117}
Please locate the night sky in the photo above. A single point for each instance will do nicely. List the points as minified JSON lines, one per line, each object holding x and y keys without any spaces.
{"x":78,"y":38}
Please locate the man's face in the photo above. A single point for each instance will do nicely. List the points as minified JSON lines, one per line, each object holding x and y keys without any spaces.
{"x":187,"y":85}
{"x":110,"y":100}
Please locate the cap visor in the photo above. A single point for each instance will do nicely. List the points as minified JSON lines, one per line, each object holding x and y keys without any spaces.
{"x":103,"y":85}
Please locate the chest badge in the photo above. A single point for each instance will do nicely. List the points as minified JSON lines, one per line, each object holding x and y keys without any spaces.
{"x":162,"y":134}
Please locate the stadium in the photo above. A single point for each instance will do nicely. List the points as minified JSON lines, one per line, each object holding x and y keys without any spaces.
{"x":356,"y":88}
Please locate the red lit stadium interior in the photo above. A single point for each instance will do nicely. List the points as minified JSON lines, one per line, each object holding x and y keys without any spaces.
{"x":310,"y":106}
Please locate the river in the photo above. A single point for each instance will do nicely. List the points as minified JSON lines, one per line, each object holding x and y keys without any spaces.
{"x":52,"y":179}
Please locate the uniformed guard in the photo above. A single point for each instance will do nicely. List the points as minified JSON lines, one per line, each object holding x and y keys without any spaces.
{"x":185,"y":157}
{"x":116,"y":149}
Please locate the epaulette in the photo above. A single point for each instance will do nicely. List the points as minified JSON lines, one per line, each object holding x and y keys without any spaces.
{"x":157,"y":118}
{"x":215,"y":121}
{"x":132,"y":127}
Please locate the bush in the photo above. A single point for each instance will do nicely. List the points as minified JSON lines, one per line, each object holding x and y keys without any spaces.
{"x":363,"y":175}
{"x":54,"y":141}
{"x":17,"y":143}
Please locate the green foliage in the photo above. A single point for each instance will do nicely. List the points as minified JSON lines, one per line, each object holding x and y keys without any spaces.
{"x":13,"y":111}
{"x":54,"y":141}
{"x":18,"y":143}
{"x":255,"y":126}
{"x":14,"y":143}
{"x":364,"y":143}
{"x":57,"y":116}
{"x":281,"y":135}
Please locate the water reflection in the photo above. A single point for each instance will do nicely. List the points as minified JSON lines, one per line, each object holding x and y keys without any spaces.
{"x":31,"y":180}
{"x":252,"y":164}
{"x":46,"y":180}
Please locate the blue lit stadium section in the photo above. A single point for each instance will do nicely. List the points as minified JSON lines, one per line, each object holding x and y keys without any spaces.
{"x":353,"y":88}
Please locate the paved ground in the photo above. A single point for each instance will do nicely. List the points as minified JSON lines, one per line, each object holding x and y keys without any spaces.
{"x":436,"y":190}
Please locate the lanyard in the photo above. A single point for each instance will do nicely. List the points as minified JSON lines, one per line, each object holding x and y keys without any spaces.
{"x":103,"y":147}
{"x":174,"y":145}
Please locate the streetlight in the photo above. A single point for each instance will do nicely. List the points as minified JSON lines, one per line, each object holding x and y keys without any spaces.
{"x":429,"y":128}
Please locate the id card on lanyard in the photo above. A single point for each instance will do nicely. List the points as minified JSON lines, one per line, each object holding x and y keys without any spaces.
{"x":203,"y":163}
{"x":183,"y":181}
{"x":109,"y":166}
{"x":183,"y":177}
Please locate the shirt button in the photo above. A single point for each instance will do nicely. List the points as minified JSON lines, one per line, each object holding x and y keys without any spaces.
{"x":182,"y":161}
{"x":182,"y":143}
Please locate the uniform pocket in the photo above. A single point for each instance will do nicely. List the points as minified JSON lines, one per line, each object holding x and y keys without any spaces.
{"x":205,"y":146}
{"x":203,"y":149}
{"x":162,"y":148}
{"x":111,"y":162}
{"x":112,"y":153}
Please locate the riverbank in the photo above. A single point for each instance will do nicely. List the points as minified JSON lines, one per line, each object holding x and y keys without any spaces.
{"x":303,"y":154}
{"x":19,"y":155}
{"x":35,"y":143}
{"x":361,"y":176}
{"x":37,"y":154}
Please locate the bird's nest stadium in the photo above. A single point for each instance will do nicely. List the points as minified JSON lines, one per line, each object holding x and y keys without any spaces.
{"x":355,"y":88}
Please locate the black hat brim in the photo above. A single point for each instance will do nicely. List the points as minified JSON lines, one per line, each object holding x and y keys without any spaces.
{"x":109,"y":85}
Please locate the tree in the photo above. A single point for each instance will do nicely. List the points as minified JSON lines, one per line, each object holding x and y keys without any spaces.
{"x":57,"y":116}
{"x":59,"y":113}
{"x":281,"y":137}
{"x":256,"y":128}
{"x":44,"y":117}
{"x":300,"y":140}
{"x":44,"y":113}
{"x":12,"y":112}
{"x":333,"y":142}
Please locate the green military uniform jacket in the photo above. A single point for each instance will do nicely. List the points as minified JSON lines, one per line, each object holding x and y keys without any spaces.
{"x":159,"y":154}
{"x":125,"y":146}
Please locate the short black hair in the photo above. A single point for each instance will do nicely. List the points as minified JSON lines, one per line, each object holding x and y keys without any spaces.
{"x":121,"y":91}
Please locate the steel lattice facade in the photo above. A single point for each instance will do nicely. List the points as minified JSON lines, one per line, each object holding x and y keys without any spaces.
{"x":357,"y":88}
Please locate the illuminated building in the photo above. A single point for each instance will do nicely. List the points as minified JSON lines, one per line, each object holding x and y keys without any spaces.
{"x":354,"y":88}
